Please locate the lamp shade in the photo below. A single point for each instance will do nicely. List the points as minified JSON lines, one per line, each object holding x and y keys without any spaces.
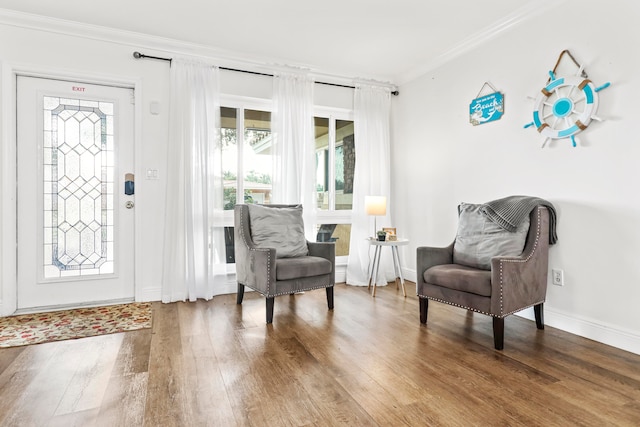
{"x":375,"y":205}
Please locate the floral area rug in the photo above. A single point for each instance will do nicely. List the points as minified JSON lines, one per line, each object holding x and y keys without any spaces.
{"x":37,"y":328}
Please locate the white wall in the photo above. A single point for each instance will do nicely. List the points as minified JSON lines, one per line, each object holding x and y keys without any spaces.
{"x":81,"y":53}
{"x":442,"y":160}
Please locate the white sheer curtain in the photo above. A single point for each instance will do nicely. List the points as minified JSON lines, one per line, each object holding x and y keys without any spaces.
{"x":372,"y":107}
{"x":293,"y":149}
{"x":193,"y":248}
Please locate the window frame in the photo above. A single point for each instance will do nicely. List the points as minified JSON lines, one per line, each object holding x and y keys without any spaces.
{"x":241,"y":104}
{"x":331,"y":215}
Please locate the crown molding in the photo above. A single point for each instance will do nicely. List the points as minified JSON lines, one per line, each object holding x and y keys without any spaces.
{"x":161,"y":46}
{"x":117,"y":36}
{"x":525,"y":13}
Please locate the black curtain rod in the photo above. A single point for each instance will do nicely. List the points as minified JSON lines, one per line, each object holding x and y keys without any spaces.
{"x":139,"y":55}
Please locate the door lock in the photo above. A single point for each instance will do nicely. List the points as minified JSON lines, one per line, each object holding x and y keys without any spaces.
{"x":128,"y":204}
{"x":129,"y":184}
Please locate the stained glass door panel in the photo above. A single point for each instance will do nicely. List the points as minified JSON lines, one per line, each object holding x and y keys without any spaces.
{"x":78,"y":246}
{"x":78,"y":187}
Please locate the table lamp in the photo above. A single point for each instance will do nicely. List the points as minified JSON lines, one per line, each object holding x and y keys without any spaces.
{"x":375,"y":205}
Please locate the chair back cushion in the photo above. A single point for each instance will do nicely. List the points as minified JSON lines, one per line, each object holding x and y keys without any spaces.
{"x":281,"y":228}
{"x":479,"y":239}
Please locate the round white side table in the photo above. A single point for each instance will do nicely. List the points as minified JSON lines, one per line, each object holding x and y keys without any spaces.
{"x":375,"y":266}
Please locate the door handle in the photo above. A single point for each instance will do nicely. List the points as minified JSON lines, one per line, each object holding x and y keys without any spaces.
{"x":128,"y":204}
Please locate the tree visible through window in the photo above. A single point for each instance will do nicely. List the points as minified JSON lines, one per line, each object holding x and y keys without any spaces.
{"x":335,"y":163}
{"x":246,"y":154}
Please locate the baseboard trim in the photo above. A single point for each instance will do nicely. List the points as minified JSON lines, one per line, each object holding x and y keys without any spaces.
{"x":155,"y":293}
{"x":149,"y":294}
{"x":602,"y":333}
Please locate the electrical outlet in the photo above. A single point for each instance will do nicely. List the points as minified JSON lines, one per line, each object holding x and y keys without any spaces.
{"x":557,"y":276}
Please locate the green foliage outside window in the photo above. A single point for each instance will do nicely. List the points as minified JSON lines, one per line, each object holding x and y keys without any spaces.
{"x":229,"y":194}
{"x":230,"y":198}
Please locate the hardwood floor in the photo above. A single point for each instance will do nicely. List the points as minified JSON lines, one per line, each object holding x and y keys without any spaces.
{"x":368,"y":363}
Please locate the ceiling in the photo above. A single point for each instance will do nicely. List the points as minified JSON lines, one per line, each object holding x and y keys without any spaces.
{"x":391,"y":41}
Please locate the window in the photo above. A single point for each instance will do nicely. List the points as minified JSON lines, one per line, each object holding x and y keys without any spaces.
{"x":247,"y":170}
{"x":246,"y":156}
{"x":335,"y":165}
{"x":246,"y":162}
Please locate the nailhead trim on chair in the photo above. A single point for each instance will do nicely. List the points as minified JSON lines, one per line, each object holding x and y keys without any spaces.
{"x":269,"y":266}
{"x":303,"y":290}
{"x":475,"y":309}
{"x":535,"y":246}
{"x":456,"y":305}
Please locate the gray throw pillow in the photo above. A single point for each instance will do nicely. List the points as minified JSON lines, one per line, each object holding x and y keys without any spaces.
{"x":479,"y":239}
{"x":279,"y":228}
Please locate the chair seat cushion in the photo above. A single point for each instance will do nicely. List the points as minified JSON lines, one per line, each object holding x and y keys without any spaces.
{"x":297,"y":268}
{"x":460,"y":278}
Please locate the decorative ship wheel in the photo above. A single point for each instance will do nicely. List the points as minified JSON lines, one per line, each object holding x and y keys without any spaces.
{"x":566,"y":106}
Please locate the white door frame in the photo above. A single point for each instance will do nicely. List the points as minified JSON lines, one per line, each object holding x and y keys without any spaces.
{"x":8,"y":140}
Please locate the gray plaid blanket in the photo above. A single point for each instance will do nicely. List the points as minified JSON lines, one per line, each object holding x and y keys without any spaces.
{"x":510,"y":211}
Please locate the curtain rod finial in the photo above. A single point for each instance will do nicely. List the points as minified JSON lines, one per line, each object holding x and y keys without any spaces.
{"x":395,"y":93}
{"x":137,"y":55}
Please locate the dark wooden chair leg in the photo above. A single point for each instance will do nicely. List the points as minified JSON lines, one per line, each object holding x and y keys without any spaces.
{"x":424,"y":308}
{"x":240,"y":294}
{"x":498,"y":333}
{"x":270,"y":309}
{"x":537,"y":309}
{"x":330,"y":297}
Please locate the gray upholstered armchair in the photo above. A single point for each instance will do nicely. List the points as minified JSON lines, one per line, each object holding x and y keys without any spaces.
{"x":274,"y":258}
{"x":496,"y":285}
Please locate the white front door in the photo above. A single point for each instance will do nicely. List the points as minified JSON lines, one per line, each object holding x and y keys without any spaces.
{"x":75,"y":222}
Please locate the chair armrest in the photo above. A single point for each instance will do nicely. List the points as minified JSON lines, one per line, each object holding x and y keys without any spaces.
{"x":427,"y":257}
{"x":255,"y":267}
{"x":326,"y":250}
{"x":521,"y":281}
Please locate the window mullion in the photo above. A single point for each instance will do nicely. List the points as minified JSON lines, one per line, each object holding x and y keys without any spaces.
{"x":332,"y":163}
{"x":240,"y":142}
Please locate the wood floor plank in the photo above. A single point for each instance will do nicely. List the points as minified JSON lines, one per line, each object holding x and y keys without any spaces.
{"x":369,"y":362}
{"x":66,"y":379}
{"x":124,"y":402}
{"x":316,"y":385}
{"x":128,"y":382}
{"x":90,"y":378}
{"x":336,"y":355}
{"x":206,"y":397}
{"x":8,"y":355}
{"x":134,"y":353}
{"x":16,"y":378}
{"x":164,"y":404}
{"x":249,"y":397}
